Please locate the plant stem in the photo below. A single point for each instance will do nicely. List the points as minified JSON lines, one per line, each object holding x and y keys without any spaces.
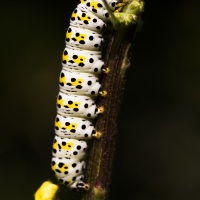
{"x":99,"y":167}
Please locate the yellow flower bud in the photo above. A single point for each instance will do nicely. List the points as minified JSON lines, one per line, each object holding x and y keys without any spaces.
{"x":46,"y":191}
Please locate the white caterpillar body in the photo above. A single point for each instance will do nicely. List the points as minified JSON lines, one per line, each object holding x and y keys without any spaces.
{"x":79,"y":86}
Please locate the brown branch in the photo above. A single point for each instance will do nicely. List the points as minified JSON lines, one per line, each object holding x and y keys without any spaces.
{"x":99,"y":168}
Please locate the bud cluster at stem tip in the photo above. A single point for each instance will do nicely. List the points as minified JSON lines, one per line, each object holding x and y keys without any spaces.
{"x":130,"y":13}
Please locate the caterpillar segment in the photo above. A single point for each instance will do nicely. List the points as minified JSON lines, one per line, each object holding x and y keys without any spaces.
{"x":69,"y":148}
{"x":77,"y":106}
{"x":98,"y":8}
{"x":82,"y":61}
{"x":87,"y":20}
{"x":83,"y":38}
{"x":75,"y":128}
{"x":79,"y":83}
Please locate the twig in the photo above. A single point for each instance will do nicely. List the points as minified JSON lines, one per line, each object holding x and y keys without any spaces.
{"x":102,"y":152}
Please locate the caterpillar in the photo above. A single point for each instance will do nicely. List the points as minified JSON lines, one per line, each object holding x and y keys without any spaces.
{"x":79,"y":83}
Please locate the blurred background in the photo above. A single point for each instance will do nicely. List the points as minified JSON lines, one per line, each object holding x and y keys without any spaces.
{"x":158,"y":148}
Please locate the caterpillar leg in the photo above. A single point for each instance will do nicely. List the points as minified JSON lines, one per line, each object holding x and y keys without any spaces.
{"x":80,"y":186}
{"x":103,"y":93}
{"x":100,"y":110}
{"x":97,"y":135}
{"x":106,"y":70}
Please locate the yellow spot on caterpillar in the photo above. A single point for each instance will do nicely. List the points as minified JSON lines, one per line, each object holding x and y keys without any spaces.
{"x":80,"y":59}
{"x":77,"y":82}
{"x":63,"y":79}
{"x":64,"y":168}
{"x":74,"y":105}
{"x":61,"y":167}
{"x":86,"y":17}
{"x":55,"y":145}
{"x":94,"y":5}
{"x":47,"y":191}
{"x":58,"y":124}
{"x":80,"y":37}
{"x":83,"y":1}
{"x":71,"y":126}
{"x":69,"y":34}
{"x":53,"y":167}
{"x":74,"y":15}
{"x":65,"y":57}
{"x":60,"y":102}
{"x":68,"y":146}
{"x":81,"y":17}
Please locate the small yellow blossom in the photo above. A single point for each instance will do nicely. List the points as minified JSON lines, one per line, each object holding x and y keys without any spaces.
{"x":46,"y":191}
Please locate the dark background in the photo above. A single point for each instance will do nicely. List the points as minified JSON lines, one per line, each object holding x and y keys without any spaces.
{"x":158,"y":148}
